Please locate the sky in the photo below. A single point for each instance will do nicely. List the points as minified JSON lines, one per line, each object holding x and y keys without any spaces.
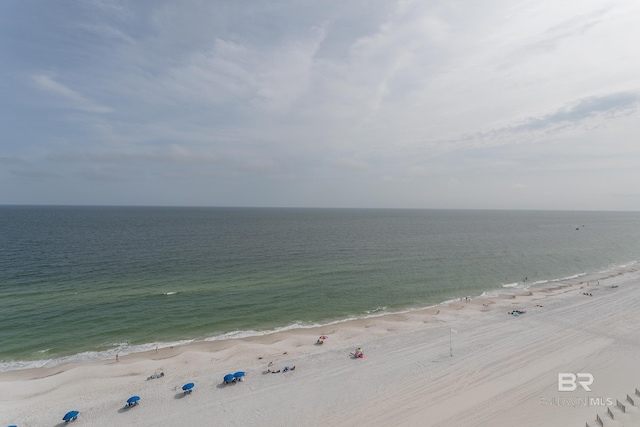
{"x":440,"y":104}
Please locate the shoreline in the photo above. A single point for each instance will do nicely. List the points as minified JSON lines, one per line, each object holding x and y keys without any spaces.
{"x":505,"y":291}
{"x":413,"y":360}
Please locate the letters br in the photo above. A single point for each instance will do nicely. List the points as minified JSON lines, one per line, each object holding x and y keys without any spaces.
{"x":568,"y":381}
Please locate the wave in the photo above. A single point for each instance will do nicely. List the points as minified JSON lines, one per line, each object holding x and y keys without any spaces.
{"x":121,"y":349}
{"x":376,"y":310}
{"x":511,"y":285}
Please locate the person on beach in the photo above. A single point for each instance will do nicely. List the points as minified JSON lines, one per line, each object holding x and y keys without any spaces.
{"x":155,"y":376}
{"x":358,"y":354}
{"x":117,"y":358}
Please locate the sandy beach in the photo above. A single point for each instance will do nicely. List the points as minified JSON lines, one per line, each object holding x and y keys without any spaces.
{"x":468,"y":363}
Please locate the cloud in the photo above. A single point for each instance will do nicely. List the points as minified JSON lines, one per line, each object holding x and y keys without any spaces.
{"x":609,"y":105}
{"x":76,"y":100}
{"x":385,"y":98}
{"x":549,"y":40}
{"x":246,"y":78}
{"x":108,"y":32}
{"x":571,"y":115}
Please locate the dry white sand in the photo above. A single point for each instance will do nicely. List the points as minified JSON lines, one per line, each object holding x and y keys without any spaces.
{"x":503,"y":371}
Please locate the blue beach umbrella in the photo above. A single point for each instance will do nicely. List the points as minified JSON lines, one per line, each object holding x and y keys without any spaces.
{"x":229,"y":378}
{"x":70,"y":416}
{"x":188,"y":388}
{"x":133,"y":400}
{"x":238,"y":375}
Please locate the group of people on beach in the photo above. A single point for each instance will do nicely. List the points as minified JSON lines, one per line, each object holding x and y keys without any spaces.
{"x":357,"y":354}
{"x":285,"y":369}
{"x":516,"y":312}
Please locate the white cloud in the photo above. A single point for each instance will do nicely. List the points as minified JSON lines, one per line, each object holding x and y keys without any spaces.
{"x":75,"y":99}
{"x":408,"y":94}
{"x":108,"y":31}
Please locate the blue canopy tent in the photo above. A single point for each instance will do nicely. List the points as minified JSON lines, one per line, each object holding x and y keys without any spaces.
{"x":70,"y":416}
{"x":188,"y":388}
{"x":239,"y":375}
{"x":229,"y":378}
{"x":133,"y":401}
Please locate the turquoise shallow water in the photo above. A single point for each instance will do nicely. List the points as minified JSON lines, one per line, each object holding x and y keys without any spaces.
{"x":81,"y":283}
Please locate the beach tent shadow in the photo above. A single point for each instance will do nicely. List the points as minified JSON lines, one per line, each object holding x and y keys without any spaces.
{"x":224,"y":385}
{"x":180,"y":395}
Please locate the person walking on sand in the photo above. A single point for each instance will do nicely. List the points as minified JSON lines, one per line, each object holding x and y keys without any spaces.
{"x":117,"y":358}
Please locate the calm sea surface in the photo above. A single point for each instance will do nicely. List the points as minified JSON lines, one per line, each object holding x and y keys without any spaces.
{"x":82,"y":283}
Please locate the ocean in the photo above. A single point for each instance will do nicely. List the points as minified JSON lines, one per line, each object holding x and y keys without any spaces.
{"x":86,"y":283}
